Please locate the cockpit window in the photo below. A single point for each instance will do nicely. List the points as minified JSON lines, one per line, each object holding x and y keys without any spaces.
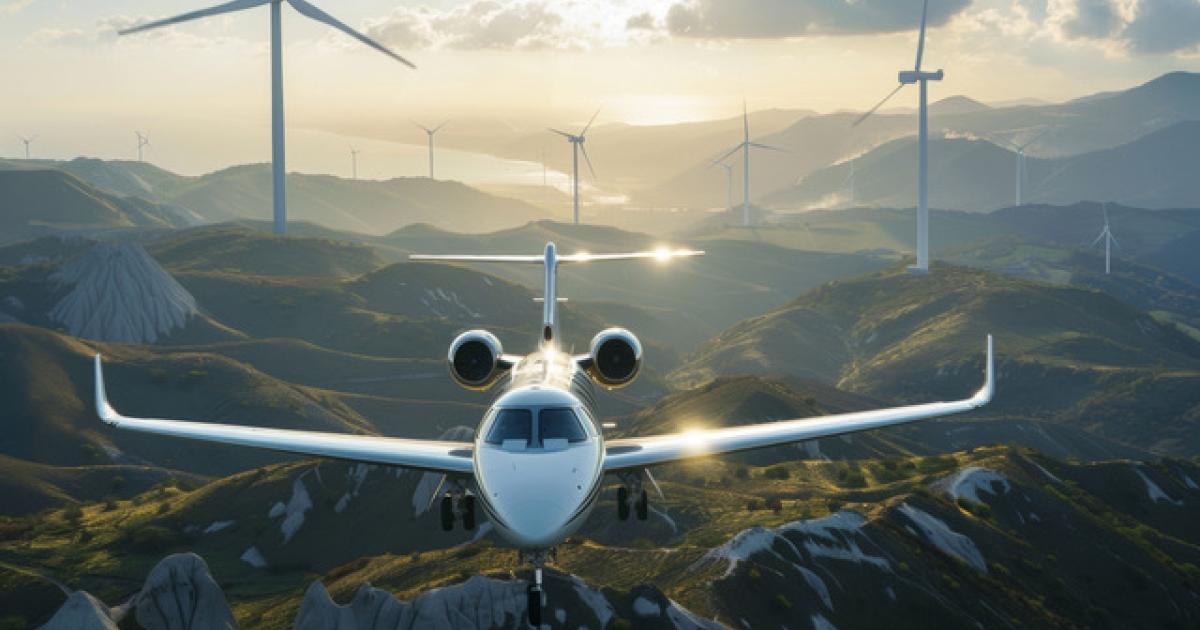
{"x":511,"y":424}
{"x":560,"y":424}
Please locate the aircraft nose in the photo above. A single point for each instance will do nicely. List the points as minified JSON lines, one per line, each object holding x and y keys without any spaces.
{"x":538,"y":497}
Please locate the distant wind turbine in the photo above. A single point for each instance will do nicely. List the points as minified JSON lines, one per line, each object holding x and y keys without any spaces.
{"x":744,"y":146}
{"x":850,"y":180}
{"x":1022,"y":168}
{"x":277,"y":133}
{"x":728,"y":181}
{"x":28,"y":141}
{"x":908,"y":77}
{"x":577,"y":141}
{"x":429,"y":132}
{"x":1109,"y":240}
{"x":143,"y":141}
{"x":353,"y":162}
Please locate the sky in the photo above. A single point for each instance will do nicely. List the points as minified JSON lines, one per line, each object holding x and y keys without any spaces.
{"x":202,"y":89}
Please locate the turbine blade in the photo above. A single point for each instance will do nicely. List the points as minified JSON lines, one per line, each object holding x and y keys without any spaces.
{"x":589,"y":124}
{"x":1036,"y":138}
{"x":878,"y":105}
{"x":228,"y":7}
{"x":1114,"y":240}
{"x":435,"y":129}
{"x":921,"y":41}
{"x":312,"y":12}
{"x":423,"y":127}
{"x":758,"y":145}
{"x":583,"y":150}
{"x":1099,"y":238}
{"x":560,"y":132}
{"x":730,"y":152}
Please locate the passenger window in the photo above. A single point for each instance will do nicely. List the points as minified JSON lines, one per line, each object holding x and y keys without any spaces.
{"x":560,"y":424}
{"x":511,"y":424}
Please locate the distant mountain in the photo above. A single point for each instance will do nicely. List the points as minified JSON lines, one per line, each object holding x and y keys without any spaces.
{"x":34,"y":202}
{"x":978,"y":175}
{"x":244,"y":192}
{"x":1066,"y":353}
{"x":1090,"y":124}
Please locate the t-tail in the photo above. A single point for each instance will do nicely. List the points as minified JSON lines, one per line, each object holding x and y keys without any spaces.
{"x":477,"y":359}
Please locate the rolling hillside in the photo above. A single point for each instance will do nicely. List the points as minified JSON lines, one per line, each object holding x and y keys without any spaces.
{"x":1067,"y":354}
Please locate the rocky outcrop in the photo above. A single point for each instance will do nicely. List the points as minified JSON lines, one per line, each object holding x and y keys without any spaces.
{"x":180,"y":594}
{"x":479,"y":602}
{"x":118,"y":292}
{"x":81,"y":611}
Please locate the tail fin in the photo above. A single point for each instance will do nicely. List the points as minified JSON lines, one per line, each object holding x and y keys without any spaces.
{"x":550,"y":261}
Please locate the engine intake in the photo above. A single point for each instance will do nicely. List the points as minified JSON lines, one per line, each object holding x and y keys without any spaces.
{"x":616,"y":358}
{"x":475,"y":359}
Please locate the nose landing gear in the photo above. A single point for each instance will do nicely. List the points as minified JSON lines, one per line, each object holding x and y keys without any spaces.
{"x":535,"y":595}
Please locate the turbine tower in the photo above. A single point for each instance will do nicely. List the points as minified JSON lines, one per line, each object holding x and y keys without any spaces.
{"x":577,"y":141}
{"x":308,"y":11}
{"x":429,"y":132}
{"x":745,"y":147}
{"x":143,"y":141}
{"x":1022,"y":168}
{"x":908,"y":77}
{"x":728,"y":181}
{"x":353,"y":162}
{"x":1109,"y":240}
{"x":28,"y":141}
{"x":851,"y":182}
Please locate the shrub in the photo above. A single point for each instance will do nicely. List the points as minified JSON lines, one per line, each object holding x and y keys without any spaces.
{"x":775,"y":504}
{"x":777,"y":472}
{"x":781,"y":602}
{"x":742,"y":472}
{"x":151,"y":539}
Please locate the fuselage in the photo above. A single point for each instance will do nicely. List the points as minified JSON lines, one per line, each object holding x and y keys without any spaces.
{"x":539,"y":452}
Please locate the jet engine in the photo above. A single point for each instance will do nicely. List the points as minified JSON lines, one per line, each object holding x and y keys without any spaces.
{"x":476,"y":359}
{"x":616,"y":358}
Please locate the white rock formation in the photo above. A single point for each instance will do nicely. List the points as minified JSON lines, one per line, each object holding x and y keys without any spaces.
{"x":81,"y":611}
{"x":119,"y":293}
{"x":937,"y":533}
{"x":181,"y":594}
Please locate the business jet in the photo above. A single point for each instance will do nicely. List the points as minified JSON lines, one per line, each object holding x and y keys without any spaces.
{"x":539,"y":458}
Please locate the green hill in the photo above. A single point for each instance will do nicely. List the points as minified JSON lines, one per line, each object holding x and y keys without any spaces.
{"x":1065,"y":352}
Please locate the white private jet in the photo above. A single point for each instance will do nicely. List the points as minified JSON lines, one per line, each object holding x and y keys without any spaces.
{"x":539,"y":455}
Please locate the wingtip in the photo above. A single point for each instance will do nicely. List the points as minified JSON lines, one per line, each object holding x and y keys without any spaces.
{"x":989,"y":384}
{"x":103,"y":409}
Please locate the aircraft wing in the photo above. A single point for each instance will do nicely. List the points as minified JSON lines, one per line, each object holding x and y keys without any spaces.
{"x":630,"y":453}
{"x":446,"y":457}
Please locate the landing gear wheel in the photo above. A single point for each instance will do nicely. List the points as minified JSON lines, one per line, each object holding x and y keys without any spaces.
{"x":534,"y":603}
{"x":447,"y":513}
{"x":623,"y":503}
{"x":643,"y":507}
{"x":468,"y":512}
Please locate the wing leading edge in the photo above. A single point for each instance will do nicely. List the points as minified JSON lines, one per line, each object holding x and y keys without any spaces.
{"x":661,"y":449}
{"x":447,"y":457}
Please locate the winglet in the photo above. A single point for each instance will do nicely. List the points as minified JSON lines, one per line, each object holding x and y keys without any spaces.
{"x":107,"y":414}
{"x":985,"y":394}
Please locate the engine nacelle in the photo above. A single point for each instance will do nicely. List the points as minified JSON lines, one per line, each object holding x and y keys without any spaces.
{"x":616,"y":358}
{"x":475,"y":359}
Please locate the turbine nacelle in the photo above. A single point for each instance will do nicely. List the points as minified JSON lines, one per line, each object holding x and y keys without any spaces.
{"x":476,"y":360}
{"x":909,"y":77}
{"x":615,"y":358}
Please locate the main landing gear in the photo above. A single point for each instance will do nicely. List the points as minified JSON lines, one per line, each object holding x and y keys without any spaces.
{"x":632,"y":494}
{"x":458,"y":503}
{"x":535,"y":595}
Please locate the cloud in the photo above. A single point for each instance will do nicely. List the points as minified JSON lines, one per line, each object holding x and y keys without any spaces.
{"x":1164,"y":26}
{"x":1093,"y":19}
{"x":748,"y":19}
{"x":522,"y":25}
{"x":72,"y":37}
{"x":105,"y":33}
{"x":13,"y":7}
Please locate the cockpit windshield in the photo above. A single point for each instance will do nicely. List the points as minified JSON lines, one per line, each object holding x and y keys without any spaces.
{"x":511,"y":424}
{"x":553,"y":423}
{"x":560,"y":424}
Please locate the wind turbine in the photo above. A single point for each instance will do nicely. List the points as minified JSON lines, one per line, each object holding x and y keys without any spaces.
{"x":907,"y":77}
{"x":744,"y":146}
{"x":353,"y":162}
{"x":28,"y":141}
{"x":850,"y":180}
{"x":577,"y":141}
{"x":1022,"y":169}
{"x":307,"y":10}
{"x":429,"y":132}
{"x":1109,"y":240}
{"x":143,"y":141}
{"x":728,"y":181}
